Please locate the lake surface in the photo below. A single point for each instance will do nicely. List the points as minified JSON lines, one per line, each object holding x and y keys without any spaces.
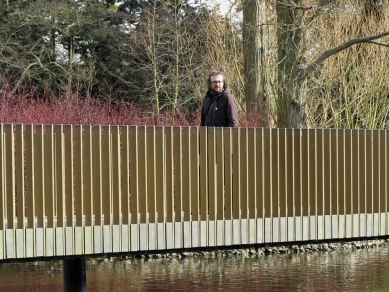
{"x":339,"y":270}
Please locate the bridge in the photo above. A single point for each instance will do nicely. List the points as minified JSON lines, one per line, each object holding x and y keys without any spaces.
{"x":71,"y":191}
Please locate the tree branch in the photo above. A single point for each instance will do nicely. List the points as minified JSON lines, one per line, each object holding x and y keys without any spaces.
{"x":379,"y":43}
{"x":319,"y":61}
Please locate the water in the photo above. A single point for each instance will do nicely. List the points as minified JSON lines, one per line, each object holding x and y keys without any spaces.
{"x":341,"y":270}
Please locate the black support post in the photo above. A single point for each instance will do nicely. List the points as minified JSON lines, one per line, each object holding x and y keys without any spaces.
{"x":74,"y":275}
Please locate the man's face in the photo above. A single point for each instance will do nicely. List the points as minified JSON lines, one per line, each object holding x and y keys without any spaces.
{"x":217,"y":83}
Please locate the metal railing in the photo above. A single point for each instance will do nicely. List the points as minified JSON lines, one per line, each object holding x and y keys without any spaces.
{"x":75,"y":190}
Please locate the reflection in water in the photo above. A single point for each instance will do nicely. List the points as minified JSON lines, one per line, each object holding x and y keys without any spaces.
{"x":360,"y":270}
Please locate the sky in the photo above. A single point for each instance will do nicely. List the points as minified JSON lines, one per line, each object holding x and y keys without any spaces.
{"x":223,"y":5}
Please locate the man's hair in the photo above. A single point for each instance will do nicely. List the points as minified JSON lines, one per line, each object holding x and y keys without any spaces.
{"x":216,"y":73}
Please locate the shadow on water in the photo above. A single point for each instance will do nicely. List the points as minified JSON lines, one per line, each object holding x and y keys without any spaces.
{"x":340,"y":270}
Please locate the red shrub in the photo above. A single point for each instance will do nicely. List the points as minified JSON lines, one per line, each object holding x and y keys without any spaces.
{"x":26,"y":106}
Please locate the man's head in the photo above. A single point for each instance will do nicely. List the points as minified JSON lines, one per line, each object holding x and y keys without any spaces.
{"x":216,"y":81}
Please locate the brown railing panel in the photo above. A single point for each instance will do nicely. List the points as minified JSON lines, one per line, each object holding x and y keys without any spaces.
{"x":49,"y":172}
{"x":349,"y":169}
{"x":267,"y":173}
{"x":134,"y":204}
{"x":2,"y":181}
{"x":384,"y":178}
{"x":311,"y":174}
{"x":203,"y":173}
{"x":136,"y":188}
{"x":69,"y":175}
{"x":60,"y":173}
{"x":2,"y":193}
{"x":376,"y":161}
{"x":228,"y":174}
{"x":212,"y":186}
{"x":10,"y":176}
{"x":194,"y":174}
{"x":106,"y":174}
{"x":289,"y":174}
{"x":212,"y":174}
{"x":327,"y":171}
{"x":243,"y":153}
{"x":274,"y":171}
{"x":259,"y":176}
{"x":160,"y":175}
{"x":186,"y":177}
{"x":304,"y":171}
{"x":116,"y":176}
{"x":142,"y":174}
{"x":334,"y":172}
{"x":282,"y":167}
{"x":79,"y":175}
{"x":169,"y":179}
{"x":87,"y":156}
{"x":355,"y":160}
{"x":251,"y":173}
{"x":169,"y":152}
{"x":341,"y":173}
{"x":369,"y":198}
{"x":151,"y":175}
{"x":219,"y":175}
{"x":20,"y":183}
{"x":177,"y":173}
{"x":125,"y":174}
{"x":236,"y":204}
{"x":88,"y":175}
{"x":97,"y":176}
{"x":315,"y":186}
{"x":384,"y":172}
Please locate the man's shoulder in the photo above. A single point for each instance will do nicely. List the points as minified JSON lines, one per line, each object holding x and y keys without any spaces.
{"x":227,"y":94}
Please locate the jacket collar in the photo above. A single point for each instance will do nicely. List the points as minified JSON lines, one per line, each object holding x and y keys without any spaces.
{"x":213,"y":94}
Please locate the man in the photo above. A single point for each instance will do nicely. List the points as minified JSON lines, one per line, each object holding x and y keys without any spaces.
{"x":219,"y":107}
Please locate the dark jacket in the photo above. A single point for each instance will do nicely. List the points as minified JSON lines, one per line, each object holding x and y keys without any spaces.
{"x":220,"y":110}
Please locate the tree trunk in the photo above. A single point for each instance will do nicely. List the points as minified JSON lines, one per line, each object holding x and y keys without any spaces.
{"x":290,"y":104}
{"x":259,"y":34}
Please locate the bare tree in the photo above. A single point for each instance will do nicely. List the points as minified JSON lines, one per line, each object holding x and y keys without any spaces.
{"x":306,"y":31}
